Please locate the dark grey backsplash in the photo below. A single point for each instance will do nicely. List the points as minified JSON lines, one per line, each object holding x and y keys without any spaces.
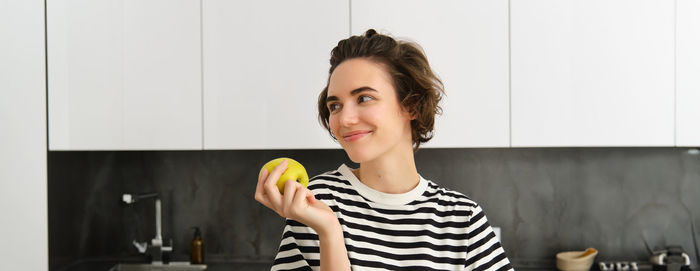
{"x":544,"y":199}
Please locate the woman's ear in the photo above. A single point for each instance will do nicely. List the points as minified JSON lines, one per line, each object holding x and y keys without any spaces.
{"x":407,"y":111}
{"x":413,"y":115}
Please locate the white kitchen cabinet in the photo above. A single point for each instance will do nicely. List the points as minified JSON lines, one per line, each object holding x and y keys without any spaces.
{"x":23,"y":172}
{"x":265,"y":62}
{"x":124,"y":74}
{"x":687,"y":71}
{"x":466,"y":43}
{"x":592,"y":73}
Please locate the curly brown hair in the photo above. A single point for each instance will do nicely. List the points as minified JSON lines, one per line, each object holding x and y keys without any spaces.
{"x":417,"y":87}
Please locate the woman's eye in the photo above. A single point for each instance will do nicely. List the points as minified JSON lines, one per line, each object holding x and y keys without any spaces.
{"x":333,"y":107}
{"x":364,"y":98}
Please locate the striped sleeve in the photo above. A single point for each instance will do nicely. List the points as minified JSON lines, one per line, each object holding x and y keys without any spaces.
{"x":484,"y":251}
{"x":299,"y":248}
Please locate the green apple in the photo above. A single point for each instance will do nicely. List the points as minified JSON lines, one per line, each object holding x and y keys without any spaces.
{"x":295,"y":171}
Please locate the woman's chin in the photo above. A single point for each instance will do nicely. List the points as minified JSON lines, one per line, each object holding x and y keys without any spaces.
{"x":354,"y":159}
{"x":357,"y":157}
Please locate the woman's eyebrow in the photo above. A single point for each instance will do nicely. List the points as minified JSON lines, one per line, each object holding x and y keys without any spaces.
{"x":352,"y":93}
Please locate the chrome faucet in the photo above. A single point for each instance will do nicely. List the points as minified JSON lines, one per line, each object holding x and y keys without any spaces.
{"x":157,"y":246}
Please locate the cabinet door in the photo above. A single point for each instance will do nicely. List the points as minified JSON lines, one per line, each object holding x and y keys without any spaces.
{"x":688,"y":71}
{"x":466,"y":43}
{"x":592,"y":73}
{"x":265,"y":62}
{"x":124,"y":74}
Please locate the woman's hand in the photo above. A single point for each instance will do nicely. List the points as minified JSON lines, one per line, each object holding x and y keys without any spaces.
{"x":297,"y":202}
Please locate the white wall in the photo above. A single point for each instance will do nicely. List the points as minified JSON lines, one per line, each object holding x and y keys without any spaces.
{"x":23,"y":210}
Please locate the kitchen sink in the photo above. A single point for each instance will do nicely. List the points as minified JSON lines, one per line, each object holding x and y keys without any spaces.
{"x":173,"y":266}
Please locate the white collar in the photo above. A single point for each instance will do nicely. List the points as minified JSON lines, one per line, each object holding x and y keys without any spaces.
{"x":381,"y":197}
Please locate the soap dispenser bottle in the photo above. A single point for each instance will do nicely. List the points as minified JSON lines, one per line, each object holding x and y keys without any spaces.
{"x":197,"y":254}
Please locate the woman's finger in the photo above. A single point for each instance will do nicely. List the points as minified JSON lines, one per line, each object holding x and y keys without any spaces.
{"x":272,"y":193}
{"x":289,"y":191}
{"x":310,"y":197}
{"x":260,"y":194}
{"x":261,"y":181}
{"x":301,"y":196}
{"x":263,"y":175}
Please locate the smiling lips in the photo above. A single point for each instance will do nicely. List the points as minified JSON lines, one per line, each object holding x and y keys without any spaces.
{"x":355,"y":135}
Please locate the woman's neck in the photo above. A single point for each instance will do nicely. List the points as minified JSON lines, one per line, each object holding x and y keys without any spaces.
{"x":393,"y":173}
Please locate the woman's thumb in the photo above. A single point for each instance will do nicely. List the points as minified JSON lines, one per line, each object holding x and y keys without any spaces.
{"x":310,"y":197}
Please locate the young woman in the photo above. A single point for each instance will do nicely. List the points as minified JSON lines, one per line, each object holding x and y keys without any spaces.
{"x":379,"y":104}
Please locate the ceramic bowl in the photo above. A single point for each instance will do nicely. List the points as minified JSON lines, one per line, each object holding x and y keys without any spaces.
{"x":573,"y":260}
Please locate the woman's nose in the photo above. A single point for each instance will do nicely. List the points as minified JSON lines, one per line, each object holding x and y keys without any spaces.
{"x":348,"y":116}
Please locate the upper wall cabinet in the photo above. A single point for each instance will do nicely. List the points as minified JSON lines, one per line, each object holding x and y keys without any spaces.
{"x":124,"y":74}
{"x":688,"y":73}
{"x":592,"y":73}
{"x":265,"y":62}
{"x":466,"y":43}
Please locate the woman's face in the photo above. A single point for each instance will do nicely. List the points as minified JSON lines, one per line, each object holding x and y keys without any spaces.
{"x":365,"y":115}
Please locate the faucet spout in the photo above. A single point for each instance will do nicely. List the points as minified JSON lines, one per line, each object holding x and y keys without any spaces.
{"x":157,"y":245}
{"x":158,"y":240}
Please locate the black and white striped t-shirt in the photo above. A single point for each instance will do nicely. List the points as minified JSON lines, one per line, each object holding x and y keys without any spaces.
{"x":427,"y":228}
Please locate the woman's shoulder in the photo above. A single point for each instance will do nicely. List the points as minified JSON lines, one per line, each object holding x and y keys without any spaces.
{"x":332,"y":186}
{"x":447,"y":196}
{"x":331,"y":182}
{"x":329,"y":177}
